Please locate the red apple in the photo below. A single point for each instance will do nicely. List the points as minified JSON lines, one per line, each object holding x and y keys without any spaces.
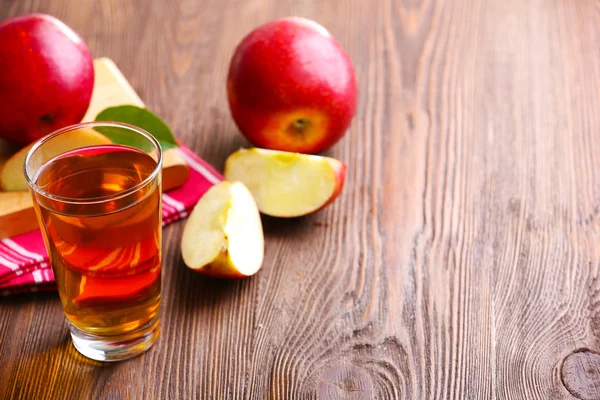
{"x":46,"y":77}
{"x":291,"y":87}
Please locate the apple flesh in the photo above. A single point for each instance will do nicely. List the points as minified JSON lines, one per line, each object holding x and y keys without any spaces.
{"x":223,"y":235}
{"x":287,"y":184}
{"x":291,"y":87}
{"x":12,"y":177}
{"x":46,"y":77}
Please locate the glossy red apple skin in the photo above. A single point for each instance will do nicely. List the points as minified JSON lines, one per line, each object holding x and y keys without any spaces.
{"x":287,"y":70}
{"x":46,"y":77}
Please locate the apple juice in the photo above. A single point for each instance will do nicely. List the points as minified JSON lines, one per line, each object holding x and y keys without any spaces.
{"x":104,"y":246}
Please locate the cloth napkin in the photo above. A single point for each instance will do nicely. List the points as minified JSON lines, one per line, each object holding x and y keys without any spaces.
{"x":24,"y":265}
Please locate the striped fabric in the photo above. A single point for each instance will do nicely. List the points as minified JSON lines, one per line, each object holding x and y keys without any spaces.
{"x":24,"y":265}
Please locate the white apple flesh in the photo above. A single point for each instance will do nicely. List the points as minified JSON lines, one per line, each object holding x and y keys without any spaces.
{"x":223,"y":235}
{"x":286,"y":184}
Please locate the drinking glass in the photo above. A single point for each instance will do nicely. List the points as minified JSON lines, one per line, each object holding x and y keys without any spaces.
{"x":99,"y":210}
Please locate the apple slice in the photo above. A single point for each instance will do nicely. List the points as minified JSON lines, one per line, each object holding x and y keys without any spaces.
{"x":287,"y":184}
{"x":11,"y":175}
{"x":223,"y":235}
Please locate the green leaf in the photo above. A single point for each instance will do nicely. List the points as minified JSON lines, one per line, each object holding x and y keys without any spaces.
{"x":140,"y":117}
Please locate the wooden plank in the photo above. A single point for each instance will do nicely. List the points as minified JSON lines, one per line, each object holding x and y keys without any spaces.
{"x":461,"y":260}
{"x":17,"y":214}
{"x":110,"y":89}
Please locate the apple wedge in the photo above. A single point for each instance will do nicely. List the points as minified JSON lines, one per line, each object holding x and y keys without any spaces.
{"x":12,"y":177}
{"x":223,"y":235}
{"x":287,"y":184}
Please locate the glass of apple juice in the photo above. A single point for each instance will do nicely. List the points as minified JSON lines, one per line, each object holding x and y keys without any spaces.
{"x":99,"y":209}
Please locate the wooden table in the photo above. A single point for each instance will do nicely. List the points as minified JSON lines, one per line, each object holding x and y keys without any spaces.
{"x":461,"y":261}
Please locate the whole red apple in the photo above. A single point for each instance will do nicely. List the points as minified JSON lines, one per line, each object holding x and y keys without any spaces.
{"x":46,"y":77}
{"x":291,"y":87}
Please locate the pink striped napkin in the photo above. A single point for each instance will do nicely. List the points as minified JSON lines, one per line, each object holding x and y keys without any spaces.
{"x":24,"y":265}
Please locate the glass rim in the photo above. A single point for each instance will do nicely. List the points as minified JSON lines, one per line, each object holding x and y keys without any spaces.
{"x":96,"y":200}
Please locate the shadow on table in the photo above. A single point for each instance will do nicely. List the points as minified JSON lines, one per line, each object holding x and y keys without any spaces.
{"x":192,"y":289}
{"x":48,"y":365}
{"x":196,"y":291}
{"x":21,"y":299}
{"x":50,"y":338}
{"x":281,"y":227}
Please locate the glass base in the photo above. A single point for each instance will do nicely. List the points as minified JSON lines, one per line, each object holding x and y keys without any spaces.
{"x":115,"y":348}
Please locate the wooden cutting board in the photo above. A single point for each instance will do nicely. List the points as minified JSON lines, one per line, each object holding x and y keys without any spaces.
{"x":110,"y":89}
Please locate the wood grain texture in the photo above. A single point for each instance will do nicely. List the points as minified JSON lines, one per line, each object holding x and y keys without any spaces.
{"x":462,"y":259}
